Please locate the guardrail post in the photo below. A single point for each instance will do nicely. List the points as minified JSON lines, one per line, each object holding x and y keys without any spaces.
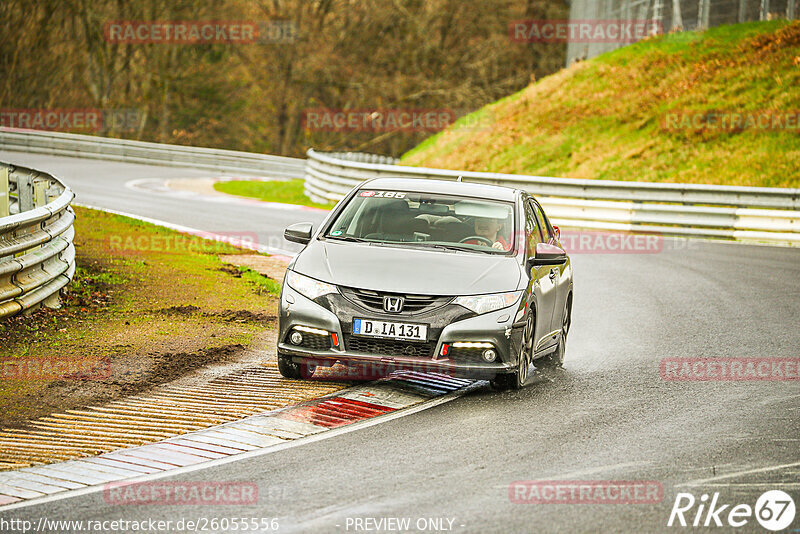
{"x":5,"y":201}
{"x":39,"y":192}
{"x":41,"y":197}
{"x":52,"y":192}
{"x":24,"y":192}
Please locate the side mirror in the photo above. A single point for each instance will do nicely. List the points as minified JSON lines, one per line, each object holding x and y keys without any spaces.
{"x":547,"y":254}
{"x":299,"y":233}
{"x":557,"y":230}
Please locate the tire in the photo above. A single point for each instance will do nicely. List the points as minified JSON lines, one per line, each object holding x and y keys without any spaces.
{"x":555,"y":359}
{"x":288,"y":368}
{"x":517,"y":379}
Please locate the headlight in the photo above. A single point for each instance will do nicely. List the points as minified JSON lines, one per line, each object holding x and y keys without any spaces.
{"x":488,"y":303}
{"x":308,"y":287}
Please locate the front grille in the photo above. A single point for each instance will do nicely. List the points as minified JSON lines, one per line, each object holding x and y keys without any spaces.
{"x":388,"y":347}
{"x":311,"y":341}
{"x":412,"y":304}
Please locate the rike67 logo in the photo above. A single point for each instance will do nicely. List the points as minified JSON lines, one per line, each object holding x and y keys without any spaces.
{"x":774,"y":510}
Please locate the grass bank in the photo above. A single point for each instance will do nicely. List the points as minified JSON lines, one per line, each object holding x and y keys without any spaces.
{"x":653,"y":111}
{"x":283,"y":191}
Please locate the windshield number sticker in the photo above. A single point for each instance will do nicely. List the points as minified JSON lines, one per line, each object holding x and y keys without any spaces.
{"x":383,"y":194}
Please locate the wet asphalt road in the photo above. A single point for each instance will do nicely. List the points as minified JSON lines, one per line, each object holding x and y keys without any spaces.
{"x":608,"y":415}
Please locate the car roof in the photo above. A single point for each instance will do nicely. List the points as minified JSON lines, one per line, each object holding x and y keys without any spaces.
{"x":425,"y":185}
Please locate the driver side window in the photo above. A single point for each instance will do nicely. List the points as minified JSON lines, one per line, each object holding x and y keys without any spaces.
{"x":533,"y":233}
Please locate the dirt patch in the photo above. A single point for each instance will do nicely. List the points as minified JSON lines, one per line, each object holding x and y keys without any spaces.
{"x":230,"y":269}
{"x":245,"y":316}
{"x":269,"y":266}
{"x":166,"y":367}
{"x":130,"y":376}
{"x":240,"y":316}
{"x":181,"y":310}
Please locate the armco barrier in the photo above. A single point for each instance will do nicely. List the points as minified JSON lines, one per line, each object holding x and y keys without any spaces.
{"x":95,"y":147}
{"x":37,"y":257}
{"x":760,"y":214}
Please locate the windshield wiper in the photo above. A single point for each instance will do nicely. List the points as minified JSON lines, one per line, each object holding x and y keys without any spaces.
{"x":470,"y":249}
{"x":347,"y":238}
{"x":443,"y":246}
{"x":423,"y":244}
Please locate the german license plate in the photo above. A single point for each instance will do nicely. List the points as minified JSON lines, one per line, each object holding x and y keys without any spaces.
{"x":390,"y":329}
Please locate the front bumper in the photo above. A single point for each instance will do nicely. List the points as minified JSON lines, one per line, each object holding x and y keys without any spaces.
{"x":448,"y":324}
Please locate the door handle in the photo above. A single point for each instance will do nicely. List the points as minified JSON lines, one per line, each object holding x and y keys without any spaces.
{"x":553,"y":273}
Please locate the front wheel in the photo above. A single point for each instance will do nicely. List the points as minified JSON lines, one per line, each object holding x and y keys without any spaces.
{"x":289,"y":369}
{"x":556,"y":358}
{"x":517,"y":379}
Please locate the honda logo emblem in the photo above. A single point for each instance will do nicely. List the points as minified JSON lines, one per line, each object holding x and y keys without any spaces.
{"x":393,"y":304}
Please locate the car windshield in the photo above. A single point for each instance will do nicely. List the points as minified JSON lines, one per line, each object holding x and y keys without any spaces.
{"x":418,"y":219}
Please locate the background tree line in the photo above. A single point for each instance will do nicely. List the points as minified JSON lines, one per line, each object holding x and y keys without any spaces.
{"x":347,"y":54}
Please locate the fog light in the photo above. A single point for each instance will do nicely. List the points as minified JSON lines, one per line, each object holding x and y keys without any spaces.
{"x":489,"y":355}
{"x":296,"y":338}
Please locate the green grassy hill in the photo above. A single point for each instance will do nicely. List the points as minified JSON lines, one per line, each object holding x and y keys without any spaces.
{"x":623,"y":115}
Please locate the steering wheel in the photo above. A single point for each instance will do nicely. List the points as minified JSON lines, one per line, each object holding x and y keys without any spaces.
{"x":488,"y":242}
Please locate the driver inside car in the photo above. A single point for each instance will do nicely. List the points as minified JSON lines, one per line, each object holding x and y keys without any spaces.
{"x":490,"y":230}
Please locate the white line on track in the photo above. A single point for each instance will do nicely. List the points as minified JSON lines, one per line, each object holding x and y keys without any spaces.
{"x":738,"y":473}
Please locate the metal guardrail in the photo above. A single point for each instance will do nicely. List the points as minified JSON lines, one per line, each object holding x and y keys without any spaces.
{"x":37,"y":257}
{"x":106,"y":148}
{"x":763,"y":214}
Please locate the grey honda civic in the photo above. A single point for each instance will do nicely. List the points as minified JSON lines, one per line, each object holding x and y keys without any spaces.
{"x":468,"y":280}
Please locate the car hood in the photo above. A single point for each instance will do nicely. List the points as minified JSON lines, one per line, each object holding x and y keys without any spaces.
{"x":407,"y":270}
